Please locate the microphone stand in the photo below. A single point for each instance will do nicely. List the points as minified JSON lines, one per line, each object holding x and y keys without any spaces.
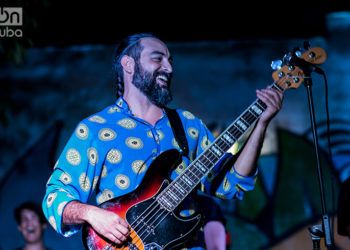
{"x":317,"y":231}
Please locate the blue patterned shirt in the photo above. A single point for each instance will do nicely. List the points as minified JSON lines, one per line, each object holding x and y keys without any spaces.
{"x":109,"y":153}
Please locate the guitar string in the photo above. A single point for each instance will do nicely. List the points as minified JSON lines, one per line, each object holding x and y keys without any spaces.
{"x":154,"y":223}
{"x":212,"y":156}
{"x":250,"y":119}
{"x":142,"y":230}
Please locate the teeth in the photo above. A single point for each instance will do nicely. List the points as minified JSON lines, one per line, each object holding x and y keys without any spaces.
{"x":30,"y":230}
{"x":164,"y":78}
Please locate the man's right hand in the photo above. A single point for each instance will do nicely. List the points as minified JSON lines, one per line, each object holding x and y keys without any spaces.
{"x":104,"y":222}
{"x":108,"y":224}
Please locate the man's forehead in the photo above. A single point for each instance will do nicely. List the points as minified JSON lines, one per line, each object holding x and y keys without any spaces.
{"x":153,"y":44}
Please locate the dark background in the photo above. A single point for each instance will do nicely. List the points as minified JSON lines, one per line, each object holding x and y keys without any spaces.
{"x":74,"y":22}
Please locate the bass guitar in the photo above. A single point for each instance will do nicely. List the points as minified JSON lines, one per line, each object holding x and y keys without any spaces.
{"x":151,"y":209}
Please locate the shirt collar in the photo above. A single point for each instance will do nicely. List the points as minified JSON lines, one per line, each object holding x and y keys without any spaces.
{"x":121,"y":103}
{"x":124,"y":106}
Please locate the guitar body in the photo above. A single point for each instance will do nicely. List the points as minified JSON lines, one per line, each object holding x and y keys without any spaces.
{"x":152,"y":226}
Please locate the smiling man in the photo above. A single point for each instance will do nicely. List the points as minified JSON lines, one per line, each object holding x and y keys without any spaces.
{"x":32,"y":224}
{"x":118,"y":151}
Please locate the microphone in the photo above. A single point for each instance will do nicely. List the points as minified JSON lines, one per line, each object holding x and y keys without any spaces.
{"x":295,"y":60}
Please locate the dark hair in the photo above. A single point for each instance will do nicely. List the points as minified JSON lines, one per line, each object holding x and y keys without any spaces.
{"x":32,"y":206}
{"x":130,"y":46}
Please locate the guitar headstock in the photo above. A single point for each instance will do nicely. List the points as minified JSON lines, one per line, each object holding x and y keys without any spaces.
{"x":288,"y":75}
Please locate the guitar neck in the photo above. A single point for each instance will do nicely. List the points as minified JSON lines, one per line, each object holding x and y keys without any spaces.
{"x":182,"y":186}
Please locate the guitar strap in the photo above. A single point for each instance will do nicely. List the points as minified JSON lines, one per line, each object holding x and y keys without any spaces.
{"x":178,"y":130}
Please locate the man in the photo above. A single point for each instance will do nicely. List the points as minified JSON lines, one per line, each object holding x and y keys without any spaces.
{"x":111,"y":151}
{"x":32,"y":224}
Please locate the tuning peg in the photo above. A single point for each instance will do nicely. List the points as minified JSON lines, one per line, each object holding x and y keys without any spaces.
{"x":297,"y":51}
{"x":276,"y":64}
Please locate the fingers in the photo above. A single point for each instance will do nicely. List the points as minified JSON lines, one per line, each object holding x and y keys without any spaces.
{"x":272,"y":98}
{"x":111,"y":226}
{"x":118,"y":235}
{"x":120,"y":231}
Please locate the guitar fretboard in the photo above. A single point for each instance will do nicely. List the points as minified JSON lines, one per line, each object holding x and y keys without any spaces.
{"x":177,"y":190}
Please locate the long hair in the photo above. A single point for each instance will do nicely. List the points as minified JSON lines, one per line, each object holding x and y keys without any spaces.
{"x":129,"y":46}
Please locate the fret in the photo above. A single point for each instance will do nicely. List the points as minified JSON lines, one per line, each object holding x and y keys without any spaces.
{"x":187,"y":180}
{"x":179,"y":188}
{"x":255,"y":111}
{"x":192,"y":175}
{"x":215,"y":149}
{"x":225,"y":142}
{"x":275,"y":86}
{"x":228,"y":138}
{"x":237,"y":127}
{"x":200,"y":167}
{"x":248,"y":117}
{"x":236,"y":133}
{"x":164,"y":202}
{"x":239,"y":123}
{"x":207,"y":157}
{"x":211,"y":155}
{"x":172,"y":195}
{"x":261,"y":104}
{"x":185,"y":184}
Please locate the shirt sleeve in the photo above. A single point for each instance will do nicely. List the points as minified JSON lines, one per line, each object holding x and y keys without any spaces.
{"x":74,"y":177}
{"x":233,"y":185}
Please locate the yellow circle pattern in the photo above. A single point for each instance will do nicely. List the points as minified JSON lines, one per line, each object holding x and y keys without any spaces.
{"x":205,"y":142}
{"x":50,"y":198}
{"x":188,"y":115}
{"x":73,"y":156}
{"x":105,"y":196}
{"x":97,"y":119}
{"x":114,"y":156}
{"x":106,"y":134}
{"x":84,"y":182}
{"x":138,"y":166}
{"x":93,"y":156}
{"x":60,"y":207}
{"x":82,"y":131}
{"x":193,"y":133}
{"x":134,"y":142}
{"x":127,"y":123}
{"x":122,"y":181}
{"x":65,"y":178}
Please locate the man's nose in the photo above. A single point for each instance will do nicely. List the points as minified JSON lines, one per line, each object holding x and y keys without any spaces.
{"x":167,"y":67}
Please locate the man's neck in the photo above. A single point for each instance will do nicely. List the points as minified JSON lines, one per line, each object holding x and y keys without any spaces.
{"x":143,"y":108}
{"x":35,"y":246}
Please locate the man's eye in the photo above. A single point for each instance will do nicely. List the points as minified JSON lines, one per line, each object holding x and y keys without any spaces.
{"x":157,"y":59}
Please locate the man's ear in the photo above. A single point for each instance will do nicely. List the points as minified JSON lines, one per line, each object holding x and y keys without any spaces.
{"x":128,"y":64}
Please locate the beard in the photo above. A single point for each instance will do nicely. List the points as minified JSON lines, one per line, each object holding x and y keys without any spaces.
{"x":146,"y":82}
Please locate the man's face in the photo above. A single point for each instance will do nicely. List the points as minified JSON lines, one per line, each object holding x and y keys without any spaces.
{"x":153,"y":72}
{"x":30,"y":226}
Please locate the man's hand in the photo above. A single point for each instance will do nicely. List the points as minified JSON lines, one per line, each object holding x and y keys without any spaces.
{"x":108,"y":224}
{"x":104,"y":222}
{"x":273,"y":100}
